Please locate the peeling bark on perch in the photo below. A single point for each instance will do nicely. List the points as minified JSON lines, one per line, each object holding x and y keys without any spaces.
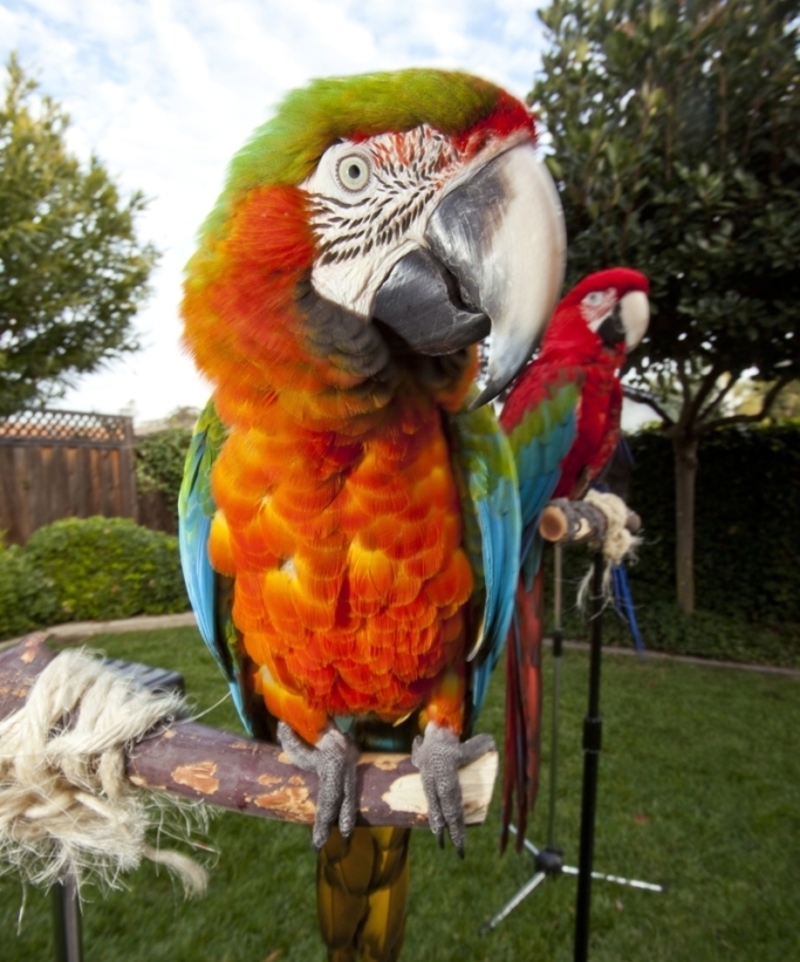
{"x":568,"y":522}
{"x":255,"y":778}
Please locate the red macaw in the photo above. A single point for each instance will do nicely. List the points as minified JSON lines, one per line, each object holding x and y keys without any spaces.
{"x":349,"y":515}
{"x":562,"y":417}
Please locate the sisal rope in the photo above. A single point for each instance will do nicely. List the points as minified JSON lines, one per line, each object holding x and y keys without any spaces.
{"x":66,"y":804}
{"x":617,"y":542}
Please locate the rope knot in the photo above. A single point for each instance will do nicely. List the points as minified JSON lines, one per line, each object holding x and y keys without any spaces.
{"x":66,"y":804}
{"x":616,"y":543}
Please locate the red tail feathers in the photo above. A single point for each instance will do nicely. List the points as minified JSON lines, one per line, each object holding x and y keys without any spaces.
{"x":523,"y":708}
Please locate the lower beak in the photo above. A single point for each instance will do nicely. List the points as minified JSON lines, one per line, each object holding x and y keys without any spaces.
{"x":495,"y":262}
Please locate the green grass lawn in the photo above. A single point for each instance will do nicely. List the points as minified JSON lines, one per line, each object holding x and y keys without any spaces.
{"x":699,"y":790}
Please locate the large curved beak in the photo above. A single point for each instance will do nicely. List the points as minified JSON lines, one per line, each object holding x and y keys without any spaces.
{"x":495,"y":261}
{"x":626,"y":322}
{"x":635,"y":316}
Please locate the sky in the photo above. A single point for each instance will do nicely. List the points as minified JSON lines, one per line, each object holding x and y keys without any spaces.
{"x":164,"y":92}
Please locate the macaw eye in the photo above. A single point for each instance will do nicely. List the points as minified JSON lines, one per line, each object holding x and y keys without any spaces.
{"x":353,"y":172}
{"x":596,"y":297}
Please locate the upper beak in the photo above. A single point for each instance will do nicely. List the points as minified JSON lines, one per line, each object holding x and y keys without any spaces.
{"x":635,"y":315}
{"x":495,"y":261}
{"x":627,"y":321}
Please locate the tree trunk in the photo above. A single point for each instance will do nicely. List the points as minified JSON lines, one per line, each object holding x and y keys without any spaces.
{"x":685,"y":451}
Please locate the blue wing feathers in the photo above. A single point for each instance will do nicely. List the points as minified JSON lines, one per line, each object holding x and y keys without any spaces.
{"x":490,"y":502}
{"x":195,"y":511}
{"x":540,"y":442}
{"x":193,"y":532}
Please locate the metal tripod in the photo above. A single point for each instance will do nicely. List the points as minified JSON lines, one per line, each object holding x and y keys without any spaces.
{"x":549,"y":861}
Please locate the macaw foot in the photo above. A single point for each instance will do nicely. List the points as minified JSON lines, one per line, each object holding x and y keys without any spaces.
{"x":438,"y":756}
{"x":333,"y":759}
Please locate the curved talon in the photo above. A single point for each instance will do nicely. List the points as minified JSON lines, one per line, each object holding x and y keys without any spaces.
{"x":333,"y":759}
{"x":438,"y":756}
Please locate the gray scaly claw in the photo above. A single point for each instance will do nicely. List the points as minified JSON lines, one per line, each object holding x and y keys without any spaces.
{"x":438,"y":756}
{"x":333,"y":759}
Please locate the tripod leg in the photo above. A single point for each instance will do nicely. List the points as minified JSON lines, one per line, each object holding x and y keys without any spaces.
{"x":558,"y":649}
{"x":67,"y":920}
{"x":592,"y":738}
{"x":534,"y":882}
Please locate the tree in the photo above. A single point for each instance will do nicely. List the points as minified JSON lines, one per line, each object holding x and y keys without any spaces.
{"x":72,"y":272}
{"x":674,"y":135}
{"x":748,"y":398}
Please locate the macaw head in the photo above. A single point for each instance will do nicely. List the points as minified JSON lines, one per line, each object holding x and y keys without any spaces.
{"x":608,"y":310}
{"x":412,"y":201}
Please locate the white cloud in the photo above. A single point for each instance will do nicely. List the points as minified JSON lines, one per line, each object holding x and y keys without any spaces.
{"x":165,"y":91}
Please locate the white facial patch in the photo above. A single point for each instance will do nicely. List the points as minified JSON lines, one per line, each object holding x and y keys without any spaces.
{"x":370,"y":204}
{"x":596,"y":306}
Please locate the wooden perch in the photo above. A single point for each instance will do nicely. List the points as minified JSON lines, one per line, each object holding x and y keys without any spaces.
{"x":568,"y":522}
{"x":256,"y":778}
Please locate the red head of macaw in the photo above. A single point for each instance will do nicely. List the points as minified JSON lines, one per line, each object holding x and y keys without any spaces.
{"x":349,"y":522}
{"x":593,"y":328}
{"x":562,"y":417}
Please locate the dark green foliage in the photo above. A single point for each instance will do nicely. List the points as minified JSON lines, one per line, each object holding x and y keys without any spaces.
{"x":705,"y":634}
{"x":27,"y":596}
{"x":748,"y":530}
{"x":673,"y":129}
{"x":747,"y":522}
{"x":73,"y":271}
{"x":104,"y":568}
{"x":160,"y":458}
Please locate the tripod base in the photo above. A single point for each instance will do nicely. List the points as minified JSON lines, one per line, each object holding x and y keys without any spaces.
{"x":550,"y":864}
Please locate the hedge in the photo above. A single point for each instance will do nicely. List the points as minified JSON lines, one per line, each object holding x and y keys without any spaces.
{"x":27,"y":596}
{"x":89,"y":569}
{"x":747,"y":525}
{"x":747,"y":537}
{"x":160,"y":458}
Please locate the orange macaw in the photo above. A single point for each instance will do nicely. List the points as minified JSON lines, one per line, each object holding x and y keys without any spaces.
{"x":349,"y":516}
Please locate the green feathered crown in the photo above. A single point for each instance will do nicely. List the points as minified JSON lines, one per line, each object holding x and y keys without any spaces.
{"x":287,"y":148}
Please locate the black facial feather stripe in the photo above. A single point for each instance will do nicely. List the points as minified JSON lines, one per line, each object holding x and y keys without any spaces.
{"x":405,"y":171}
{"x":385,"y":224}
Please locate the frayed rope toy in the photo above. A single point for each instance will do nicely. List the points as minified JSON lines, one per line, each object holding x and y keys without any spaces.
{"x":66,"y":804}
{"x":616,"y":543}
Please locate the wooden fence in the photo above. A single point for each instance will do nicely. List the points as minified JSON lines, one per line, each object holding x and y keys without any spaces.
{"x":57,"y":464}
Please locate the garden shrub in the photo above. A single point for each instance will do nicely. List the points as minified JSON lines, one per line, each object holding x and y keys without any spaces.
{"x":706,"y":634}
{"x":747,"y":527}
{"x":160,"y":457}
{"x":105,"y":568}
{"x":27,"y":596}
{"x":747,"y":534}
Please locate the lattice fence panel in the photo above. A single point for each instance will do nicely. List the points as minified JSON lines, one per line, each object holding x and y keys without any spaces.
{"x":57,"y":464}
{"x":70,"y":427}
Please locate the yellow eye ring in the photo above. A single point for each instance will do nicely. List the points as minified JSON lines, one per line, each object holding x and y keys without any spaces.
{"x":353,"y":172}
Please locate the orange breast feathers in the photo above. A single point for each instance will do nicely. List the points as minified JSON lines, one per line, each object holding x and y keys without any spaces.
{"x":350,"y":576}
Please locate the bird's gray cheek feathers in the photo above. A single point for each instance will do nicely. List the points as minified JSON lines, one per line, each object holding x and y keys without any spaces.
{"x":495,"y":262}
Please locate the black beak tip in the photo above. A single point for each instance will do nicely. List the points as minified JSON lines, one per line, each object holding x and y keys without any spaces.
{"x":490,"y":392}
